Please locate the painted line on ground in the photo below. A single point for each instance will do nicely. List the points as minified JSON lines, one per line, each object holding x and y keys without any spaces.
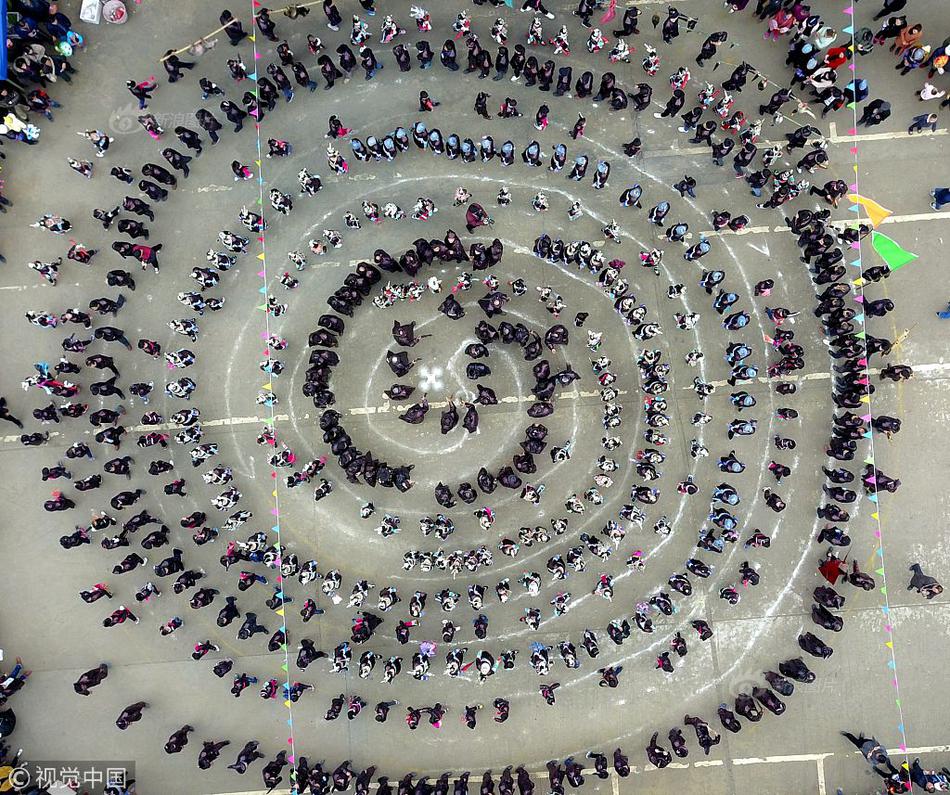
{"x":881,"y":136}
{"x":935,"y":367}
{"x":356,"y":410}
{"x":919,"y":369}
{"x":393,"y":407}
{"x":892,"y":219}
{"x":833,"y":138}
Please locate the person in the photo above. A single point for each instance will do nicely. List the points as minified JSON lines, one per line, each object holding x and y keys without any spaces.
{"x":929,"y":91}
{"x":142,"y":91}
{"x":6,"y":415}
{"x":173,"y":66}
{"x":889,"y":7}
{"x":266,"y":25}
{"x":876,"y":111}
{"x":233,"y":28}
{"x":178,"y":740}
{"x":909,"y":37}
{"x":871,"y":750}
{"x":209,"y":124}
{"x":130,"y":715}
{"x":924,"y":120}
{"x":913,"y":58}
{"x":90,"y":679}
{"x":537,"y":6}
{"x":923,"y":583}
{"x":941,"y":197}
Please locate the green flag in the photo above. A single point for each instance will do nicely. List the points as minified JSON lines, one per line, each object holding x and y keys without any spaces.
{"x":890,"y":251}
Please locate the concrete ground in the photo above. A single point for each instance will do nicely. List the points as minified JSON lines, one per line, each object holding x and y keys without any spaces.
{"x":866,"y":686}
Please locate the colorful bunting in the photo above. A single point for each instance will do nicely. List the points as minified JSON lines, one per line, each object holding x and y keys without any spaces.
{"x":875,"y":211}
{"x":890,"y":251}
{"x":271,"y":419}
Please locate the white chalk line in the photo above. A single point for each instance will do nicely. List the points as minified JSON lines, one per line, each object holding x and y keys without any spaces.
{"x":833,"y":138}
{"x":892,"y":219}
{"x":881,"y":136}
{"x":356,"y":410}
{"x":919,"y":369}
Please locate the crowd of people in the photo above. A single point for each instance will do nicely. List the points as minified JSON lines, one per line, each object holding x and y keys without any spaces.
{"x":40,"y":42}
{"x":266,"y":564}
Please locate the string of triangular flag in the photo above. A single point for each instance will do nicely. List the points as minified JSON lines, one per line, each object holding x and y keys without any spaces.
{"x":895,"y":257}
{"x":270,"y":419}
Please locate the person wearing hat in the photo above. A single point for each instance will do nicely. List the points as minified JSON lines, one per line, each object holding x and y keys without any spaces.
{"x":913,"y":58}
{"x":938,"y":61}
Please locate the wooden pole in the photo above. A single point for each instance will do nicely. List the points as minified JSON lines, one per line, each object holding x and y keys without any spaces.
{"x":216,"y":31}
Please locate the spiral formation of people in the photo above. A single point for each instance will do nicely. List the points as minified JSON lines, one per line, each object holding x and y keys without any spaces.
{"x":506,"y":394}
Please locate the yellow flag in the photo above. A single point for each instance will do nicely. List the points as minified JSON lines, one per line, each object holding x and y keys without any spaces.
{"x":875,"y":211}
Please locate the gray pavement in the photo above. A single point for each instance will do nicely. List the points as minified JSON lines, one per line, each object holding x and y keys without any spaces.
{"x":58,"y":636}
